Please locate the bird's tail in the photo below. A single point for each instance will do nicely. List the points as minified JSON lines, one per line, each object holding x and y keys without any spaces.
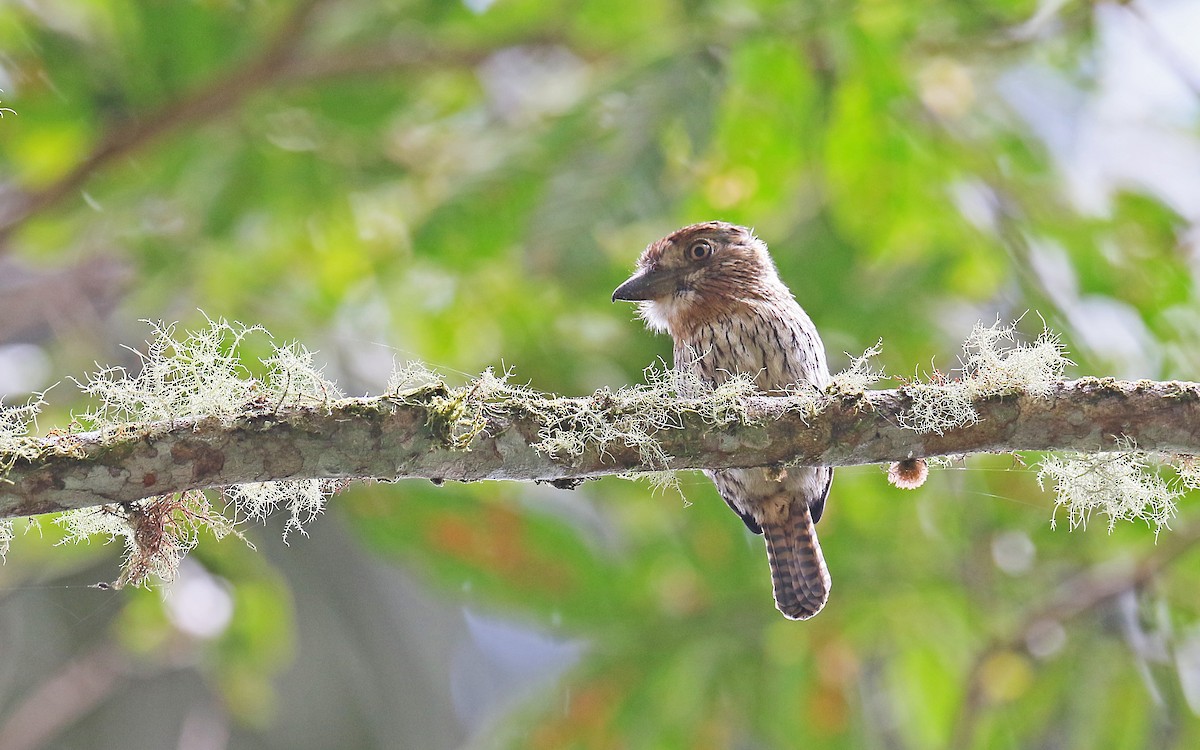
{"x":798,"y":570}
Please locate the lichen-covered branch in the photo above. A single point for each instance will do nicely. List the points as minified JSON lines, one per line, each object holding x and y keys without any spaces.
{"x":195,"y":416}
{"x":515,"y":434}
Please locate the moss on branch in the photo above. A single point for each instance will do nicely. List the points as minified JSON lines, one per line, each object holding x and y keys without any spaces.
{"x":530,"y":436}
{"x":194,"y":418}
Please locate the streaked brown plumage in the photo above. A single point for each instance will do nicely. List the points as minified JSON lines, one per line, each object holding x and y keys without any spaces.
{"x":714,"y":288}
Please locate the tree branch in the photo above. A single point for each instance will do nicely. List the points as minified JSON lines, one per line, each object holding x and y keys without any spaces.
{"x":424,"y":434}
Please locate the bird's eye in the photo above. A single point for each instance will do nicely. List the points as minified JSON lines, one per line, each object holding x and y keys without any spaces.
{"x":700,"y":250}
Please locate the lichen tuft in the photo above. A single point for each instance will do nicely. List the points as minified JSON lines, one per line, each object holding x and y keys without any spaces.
{"x":158,"y":532}
{"x":994,"y":363}
{"x":193,"y":375}
{"x":17,"y":423}
{"x":572,"y":426}
{"x":1125,"y":486}
{"x":860,"y":375}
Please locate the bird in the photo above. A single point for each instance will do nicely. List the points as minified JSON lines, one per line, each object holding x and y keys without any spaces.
{"x":715,"y":289}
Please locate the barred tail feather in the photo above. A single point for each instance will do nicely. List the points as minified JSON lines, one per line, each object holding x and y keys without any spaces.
{"x":798,"y":571}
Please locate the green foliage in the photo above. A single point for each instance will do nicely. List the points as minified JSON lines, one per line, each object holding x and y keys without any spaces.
{"x":464,"y":183}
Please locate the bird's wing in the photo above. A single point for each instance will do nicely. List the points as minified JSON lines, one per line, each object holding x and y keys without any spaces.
{"x":816,"y":505}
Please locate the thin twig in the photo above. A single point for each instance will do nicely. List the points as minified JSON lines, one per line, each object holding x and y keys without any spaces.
{"x":1166,"y":51}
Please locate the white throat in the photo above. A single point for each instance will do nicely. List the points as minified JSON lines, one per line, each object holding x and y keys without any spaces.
{"x":659,"y":313}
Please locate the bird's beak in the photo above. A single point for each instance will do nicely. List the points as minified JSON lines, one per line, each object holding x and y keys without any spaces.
{"x":646,"y":284}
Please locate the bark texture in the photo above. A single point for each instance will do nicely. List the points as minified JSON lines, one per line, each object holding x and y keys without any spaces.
{"x":386,"y":438}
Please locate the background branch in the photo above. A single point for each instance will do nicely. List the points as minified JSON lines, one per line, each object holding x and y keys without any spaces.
{"x":1076,"y":595}
{"x":417,"y":436}
{"x":284,"y":61}
{"x":77,"y":688}
{"x":206,"y":103}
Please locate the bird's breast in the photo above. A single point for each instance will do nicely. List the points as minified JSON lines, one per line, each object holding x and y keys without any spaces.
{"x":777,"y":345}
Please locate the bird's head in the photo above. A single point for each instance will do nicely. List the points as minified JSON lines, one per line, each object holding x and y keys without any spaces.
{"x":698,"y":274}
